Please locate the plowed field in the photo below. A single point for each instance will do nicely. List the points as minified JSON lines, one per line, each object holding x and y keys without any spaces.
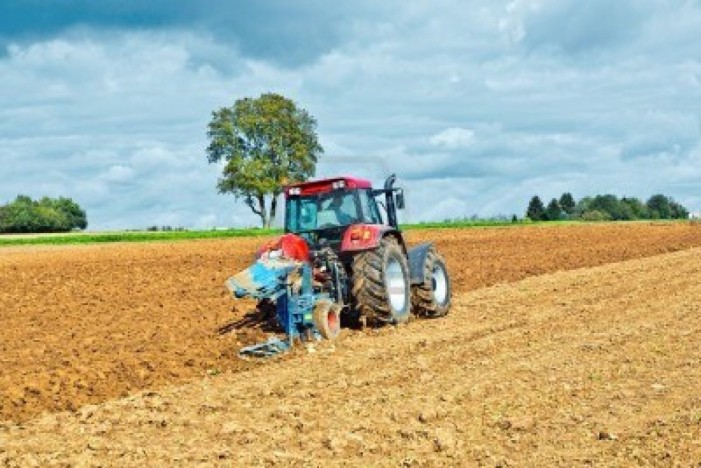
{"x":571,"y":366}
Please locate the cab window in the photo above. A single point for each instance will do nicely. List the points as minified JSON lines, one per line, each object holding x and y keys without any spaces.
{"x":371,"y":214}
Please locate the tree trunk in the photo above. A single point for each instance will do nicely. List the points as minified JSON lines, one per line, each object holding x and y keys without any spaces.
{"x":263,"y":212}
{"x":258,"y":207}
{"x":273,"y":209}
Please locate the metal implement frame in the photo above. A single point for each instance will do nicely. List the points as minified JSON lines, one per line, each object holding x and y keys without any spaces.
{"x":294,"y":303}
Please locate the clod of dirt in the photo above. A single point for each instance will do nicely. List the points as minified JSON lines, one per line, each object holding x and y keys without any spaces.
{"x":523,"y":424}
{"x":428,"y":415}
{"x":333,"y":443}
{"x":444,"y":439}
{"x":230,"y":428}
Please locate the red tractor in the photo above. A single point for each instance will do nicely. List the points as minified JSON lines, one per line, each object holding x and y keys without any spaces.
{"x":351,"y":263}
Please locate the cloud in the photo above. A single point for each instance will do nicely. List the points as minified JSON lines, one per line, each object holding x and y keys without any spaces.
{"x":275,"y":30}
{"x":571,"y":26}
{"x":118,"y":174}
{"x":475,"y":107}
{"x":453,"y":138}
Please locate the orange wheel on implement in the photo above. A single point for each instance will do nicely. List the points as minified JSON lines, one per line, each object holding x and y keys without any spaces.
{"x":327,"y":318}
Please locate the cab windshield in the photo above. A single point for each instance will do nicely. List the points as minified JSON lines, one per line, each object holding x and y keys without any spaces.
{"x":322,"y":211}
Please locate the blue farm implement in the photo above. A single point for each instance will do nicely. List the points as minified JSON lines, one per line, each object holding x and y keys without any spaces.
{"x":302,"y":313}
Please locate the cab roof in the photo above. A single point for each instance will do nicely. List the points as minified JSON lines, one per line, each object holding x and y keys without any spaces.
{"x":327,"y":185}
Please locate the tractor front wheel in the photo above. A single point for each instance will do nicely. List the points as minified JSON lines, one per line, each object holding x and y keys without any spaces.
{"x":381,"y":288}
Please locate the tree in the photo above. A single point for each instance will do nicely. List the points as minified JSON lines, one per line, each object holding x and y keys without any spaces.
{"x":678,"y":211}
{"x":637,"y":208}
{"x":567,"y":203}
{"x":24,"y":215}
{"x":553,"y":212}
{"x":20,"y":216}
{"x":536,"y":210}
{"x":595,"y":215}
{"x":608,"y":204}
{"x":659,"y":207}
{"x":266,"y":143}
{"x":581,"y":207}
{"x":75,"y":214}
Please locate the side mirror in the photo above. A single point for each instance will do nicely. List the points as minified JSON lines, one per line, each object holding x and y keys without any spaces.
{"x":400,"y":200}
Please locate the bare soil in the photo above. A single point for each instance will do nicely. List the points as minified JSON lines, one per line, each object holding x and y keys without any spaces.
{"x":599,"y":364}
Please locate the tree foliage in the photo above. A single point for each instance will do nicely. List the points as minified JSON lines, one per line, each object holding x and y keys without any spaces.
{"x":595,"y":215}
{"x":536,"y":210}
{"x":610,"y":207}
{"x":265,"y":143}
{"x":637,"y":208}
{"x":24,"y":215}
{"x":567,"y":203}
{"x":659,"y":207}
{"x":678,"y":211}
{"x":553,"y":212}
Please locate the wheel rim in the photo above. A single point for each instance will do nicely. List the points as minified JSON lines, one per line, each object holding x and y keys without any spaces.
{"x":396,"y":286}
{"x":440,"y":285}
{"x":332,"y":320}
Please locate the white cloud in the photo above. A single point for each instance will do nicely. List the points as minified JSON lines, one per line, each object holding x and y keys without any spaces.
{"x":572,"y":26}
{"x":453,"y":138}
{"x":118,"y":174}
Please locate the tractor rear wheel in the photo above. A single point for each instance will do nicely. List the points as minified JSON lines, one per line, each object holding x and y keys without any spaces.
{"x":380,"y":283}
{"x":432,"y":297}
{"x":327,"y":318}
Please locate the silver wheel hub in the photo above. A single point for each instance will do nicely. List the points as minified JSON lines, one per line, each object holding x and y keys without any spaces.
{"x":440,"y":285}
{"x":396,"y":285}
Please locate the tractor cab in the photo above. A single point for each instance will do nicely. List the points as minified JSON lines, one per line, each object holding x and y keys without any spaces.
{"x":323,"y":210}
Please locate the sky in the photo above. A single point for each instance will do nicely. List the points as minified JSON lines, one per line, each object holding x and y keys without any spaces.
{"x":475,"y":105}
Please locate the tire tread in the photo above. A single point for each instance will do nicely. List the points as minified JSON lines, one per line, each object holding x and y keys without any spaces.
{"x":422,"y":298}
{"x":368,"y":285}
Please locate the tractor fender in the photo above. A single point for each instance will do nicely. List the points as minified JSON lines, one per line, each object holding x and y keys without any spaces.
{"x":417,"y":259}
{"x":361,"y":237}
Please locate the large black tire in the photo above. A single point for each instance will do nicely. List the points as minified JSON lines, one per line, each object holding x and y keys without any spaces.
{"x":380,"y":283}
{"x":432,"y":297}
{"x":327,"y":318}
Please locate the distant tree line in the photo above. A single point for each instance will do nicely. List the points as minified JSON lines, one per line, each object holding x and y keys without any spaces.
{"x":24,"y":215}
{"x":605,"y":208}
{"x":165,"y":229}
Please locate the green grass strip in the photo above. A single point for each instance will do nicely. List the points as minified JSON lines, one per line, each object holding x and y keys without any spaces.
{"x":167,"y":236}
{"x":129,"y":236}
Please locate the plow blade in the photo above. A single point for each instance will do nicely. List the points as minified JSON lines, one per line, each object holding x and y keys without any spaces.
{"x":270,"y":348}
{"x":265,"y":279}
